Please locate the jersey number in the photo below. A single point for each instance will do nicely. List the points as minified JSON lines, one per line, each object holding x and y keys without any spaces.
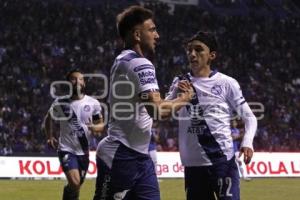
{"x":228,"y":182}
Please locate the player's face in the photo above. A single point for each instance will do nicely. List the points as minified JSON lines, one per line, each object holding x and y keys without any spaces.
{"x":148,"y":36}
{"x":77,"y":81}
{"x":199,"y":55}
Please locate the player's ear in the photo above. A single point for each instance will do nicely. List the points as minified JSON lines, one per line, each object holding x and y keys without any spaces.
{"x":213,"y":55}
{"x":137,"y":35}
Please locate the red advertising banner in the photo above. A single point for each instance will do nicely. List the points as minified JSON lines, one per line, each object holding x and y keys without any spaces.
{"x":168,"y":166}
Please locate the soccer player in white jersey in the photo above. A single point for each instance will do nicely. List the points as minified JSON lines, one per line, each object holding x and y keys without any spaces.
{"x":125,"y":169}
{"x":205,"y":142}
{"x":79,"y":117}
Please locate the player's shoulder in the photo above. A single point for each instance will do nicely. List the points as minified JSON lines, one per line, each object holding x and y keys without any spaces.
{"x":91,"y":99}
{"x":128,"y":56}
{"x":226,"y":79}
{"x":175,"y":81}
{"x":134,"y":61}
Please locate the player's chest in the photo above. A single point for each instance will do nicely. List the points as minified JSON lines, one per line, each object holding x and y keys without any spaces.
{"x":83,"y":111}
{"x":214,"y":93}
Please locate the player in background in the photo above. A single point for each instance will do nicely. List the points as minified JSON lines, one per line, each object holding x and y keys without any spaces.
{"x":205,"y":142}
{"x":79,"y":117}
{"x":237,"y":137}
{"x":125,"y":169}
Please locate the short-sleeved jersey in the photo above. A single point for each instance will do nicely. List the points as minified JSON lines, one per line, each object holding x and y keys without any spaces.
{"x":204,"y":125}
{"x":73,"y":115}
{"x":129,"y":122}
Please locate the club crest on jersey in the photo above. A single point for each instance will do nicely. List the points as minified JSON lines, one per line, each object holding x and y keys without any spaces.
{"x":86,"y":108}
{"x":216,"y":89}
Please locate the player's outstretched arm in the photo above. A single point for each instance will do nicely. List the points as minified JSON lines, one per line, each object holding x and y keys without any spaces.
{"x":164,"y":108}
{"x":250,"y":122}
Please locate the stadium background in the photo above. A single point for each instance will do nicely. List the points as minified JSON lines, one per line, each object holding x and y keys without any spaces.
{"x":41,"y":40}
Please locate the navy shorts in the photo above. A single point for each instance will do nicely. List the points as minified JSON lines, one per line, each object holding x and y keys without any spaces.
{"x":70,"y":161}
{"x":221,"y":180}
{"x":131,"y":177}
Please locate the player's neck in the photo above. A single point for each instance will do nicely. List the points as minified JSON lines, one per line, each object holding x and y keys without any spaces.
{"x":77,"y":97}
{"x":137,"y":49}
{"x":202,"y":72}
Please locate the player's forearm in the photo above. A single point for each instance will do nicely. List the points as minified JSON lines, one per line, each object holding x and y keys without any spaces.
{"x":157,"y":107}
{"x":97,"y":129}
{"x":168,"y":108}
{"x":250,"y":122}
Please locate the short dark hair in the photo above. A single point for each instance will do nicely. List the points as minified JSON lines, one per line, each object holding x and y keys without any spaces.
{"x":207,"y":38}
{"x":131,"y":17}
{"x":71,"y":71}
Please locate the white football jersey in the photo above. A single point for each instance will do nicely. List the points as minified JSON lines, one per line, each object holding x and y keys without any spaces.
{"x":204,"y":126}
{"x":73,"y":115}
{"x":129,"y":122}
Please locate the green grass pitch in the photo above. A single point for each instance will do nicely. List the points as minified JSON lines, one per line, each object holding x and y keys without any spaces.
{"x":171,"y":189}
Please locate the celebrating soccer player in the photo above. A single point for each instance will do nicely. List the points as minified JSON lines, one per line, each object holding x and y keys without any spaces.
{"x":205,"y":142}
{"x":125,"y":169}
{"x":79,"y":116}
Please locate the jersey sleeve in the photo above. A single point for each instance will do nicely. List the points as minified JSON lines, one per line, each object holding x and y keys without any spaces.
{"x":235,"y":95}
{"x":172,"y":93}
{"x":145,"y":77}
{"x":240,"y":105}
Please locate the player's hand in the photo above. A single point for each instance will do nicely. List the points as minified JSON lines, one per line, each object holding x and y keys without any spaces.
{"x":248,"y":154}
{"x":52,"y":143}
{"x":186,"y":90}
{"x":91,"y":128}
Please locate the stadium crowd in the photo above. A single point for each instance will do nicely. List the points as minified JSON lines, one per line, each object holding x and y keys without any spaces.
{"x":41,"y":40}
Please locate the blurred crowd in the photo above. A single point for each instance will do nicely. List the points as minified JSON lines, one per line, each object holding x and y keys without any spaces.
{"x":41,"y":40}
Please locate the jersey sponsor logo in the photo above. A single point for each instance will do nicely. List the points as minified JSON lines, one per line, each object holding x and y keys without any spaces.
{"x":197,"y":126}
{"x":196,"y":113}
{"x":147,"y":77}
{"x":142,"y":67}
{"x":216,"y":89}
{"x":87,"y":108}
{"x":198,"y":130}
{"x":146,"y":74}
{"x":147,"y":81}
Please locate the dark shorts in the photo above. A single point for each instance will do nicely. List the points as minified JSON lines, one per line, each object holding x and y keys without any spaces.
{"x":221,"y":180}
{"x":70,"y":161}
{"x":131,"y":177}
